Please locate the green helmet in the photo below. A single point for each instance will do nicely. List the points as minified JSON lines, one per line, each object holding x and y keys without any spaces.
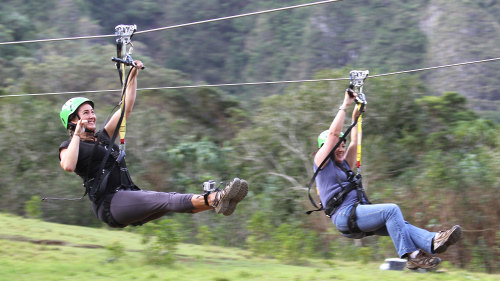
{"x":70,"y":108}
{"x":322,"y":137}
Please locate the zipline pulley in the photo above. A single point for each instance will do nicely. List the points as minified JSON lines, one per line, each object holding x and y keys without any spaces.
{"x":124,"y":46}
{"x":357,"y":80}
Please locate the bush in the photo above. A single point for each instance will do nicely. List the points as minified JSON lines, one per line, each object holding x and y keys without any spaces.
{"x":204,"y":235}
{"x":161,"y":238}
{"x":33,"y":207}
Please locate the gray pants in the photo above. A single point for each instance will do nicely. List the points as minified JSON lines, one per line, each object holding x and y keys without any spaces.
{"x":139,"y":207}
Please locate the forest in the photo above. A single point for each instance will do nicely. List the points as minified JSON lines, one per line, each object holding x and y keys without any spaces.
{"x":431,"y":139}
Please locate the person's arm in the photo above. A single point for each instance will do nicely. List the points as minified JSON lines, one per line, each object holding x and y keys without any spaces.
{"x":334,"y":130}
{"x":69,"y":156}
{"x":130,"y":95}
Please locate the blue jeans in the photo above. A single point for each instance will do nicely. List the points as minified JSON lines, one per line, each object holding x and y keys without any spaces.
{"x":387,"y":220}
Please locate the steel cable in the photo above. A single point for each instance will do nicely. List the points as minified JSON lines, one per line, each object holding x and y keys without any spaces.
{"x":260,"y":83}
{"x":175,"y":26}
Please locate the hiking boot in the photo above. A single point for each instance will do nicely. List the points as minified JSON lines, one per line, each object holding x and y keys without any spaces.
{"x":444,"y":239}
{"x":423,"y":261}
{"x":237,"y":198}
{"x":222,"y":200}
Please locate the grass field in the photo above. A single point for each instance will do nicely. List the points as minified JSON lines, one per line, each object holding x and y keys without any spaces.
{"x":34,"y":250}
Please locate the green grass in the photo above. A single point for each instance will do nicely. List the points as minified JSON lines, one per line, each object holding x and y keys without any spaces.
{"x":22,"y":259}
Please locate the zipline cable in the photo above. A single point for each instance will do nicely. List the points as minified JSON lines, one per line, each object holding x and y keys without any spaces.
{"x":257,"y":83}
{"x":434,"y":67}
{"x":175,"y":26}
{"x":239,"y":16}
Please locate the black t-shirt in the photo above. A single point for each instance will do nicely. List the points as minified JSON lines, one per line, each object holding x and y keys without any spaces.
{"x":86,"y":152}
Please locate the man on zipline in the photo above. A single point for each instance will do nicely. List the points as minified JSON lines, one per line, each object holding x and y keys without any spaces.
{"x":344,"y":200}
{"x":122,"y":203}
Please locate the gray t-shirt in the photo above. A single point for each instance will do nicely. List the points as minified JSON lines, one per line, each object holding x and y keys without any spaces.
{"x":330,"y":181}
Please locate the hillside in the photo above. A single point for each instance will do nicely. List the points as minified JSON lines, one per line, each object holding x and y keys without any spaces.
{"x":35,"y":250}
{"x":382,"y":36}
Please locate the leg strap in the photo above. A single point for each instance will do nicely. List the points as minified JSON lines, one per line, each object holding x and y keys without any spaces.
{"x":352,"y":223}
{"x":108,"y":217}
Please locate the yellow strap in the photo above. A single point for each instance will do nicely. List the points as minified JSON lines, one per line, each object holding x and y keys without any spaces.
{"x":123,"y":126}
{"x":360,"y":136}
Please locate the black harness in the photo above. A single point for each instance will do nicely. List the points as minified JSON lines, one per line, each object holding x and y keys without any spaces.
{"x":98,"y":187}
{"x":355,"y":183}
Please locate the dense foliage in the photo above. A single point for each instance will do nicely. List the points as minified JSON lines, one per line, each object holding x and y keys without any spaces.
{"x":423,"y":145}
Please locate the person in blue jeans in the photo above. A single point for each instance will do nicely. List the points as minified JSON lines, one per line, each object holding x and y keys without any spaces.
{"x":416,"y":244}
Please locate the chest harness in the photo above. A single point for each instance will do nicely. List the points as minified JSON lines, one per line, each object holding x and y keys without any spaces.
{"x":355,"y":183}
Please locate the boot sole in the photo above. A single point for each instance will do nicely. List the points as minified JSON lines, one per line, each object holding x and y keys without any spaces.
{"x":243,"y":191}
{"x":454,"y":237}
{"x":233,"y":191}
{"x":428,"y":268}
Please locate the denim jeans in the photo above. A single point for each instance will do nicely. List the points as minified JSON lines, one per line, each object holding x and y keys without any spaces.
{"x":387,"y":220}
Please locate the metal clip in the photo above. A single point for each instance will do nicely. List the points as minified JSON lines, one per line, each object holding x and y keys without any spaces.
{"x":357,"y":81}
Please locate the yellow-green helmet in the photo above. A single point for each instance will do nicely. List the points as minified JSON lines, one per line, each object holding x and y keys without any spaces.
{"x":70,"y":108}
{"x":322,"y":137}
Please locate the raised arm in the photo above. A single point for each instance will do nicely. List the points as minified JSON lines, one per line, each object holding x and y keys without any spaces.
{"x":334,"y":130}
{"x":130,"y":95}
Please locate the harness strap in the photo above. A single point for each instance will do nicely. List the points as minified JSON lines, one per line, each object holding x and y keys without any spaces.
{"x":107,"y":216}
{"x":96,"y":190}
{"x":330,"y":155}
{"x":335,"y":202}
{"x":352,"y":223}
{"x":87,"y":181}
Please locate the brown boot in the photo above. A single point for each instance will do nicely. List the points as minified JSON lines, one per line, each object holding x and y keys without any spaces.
{"x":235,"y":191}
{"x":423,"y":260}
{"x":242,"y":192}
{"x":444,"y":239}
